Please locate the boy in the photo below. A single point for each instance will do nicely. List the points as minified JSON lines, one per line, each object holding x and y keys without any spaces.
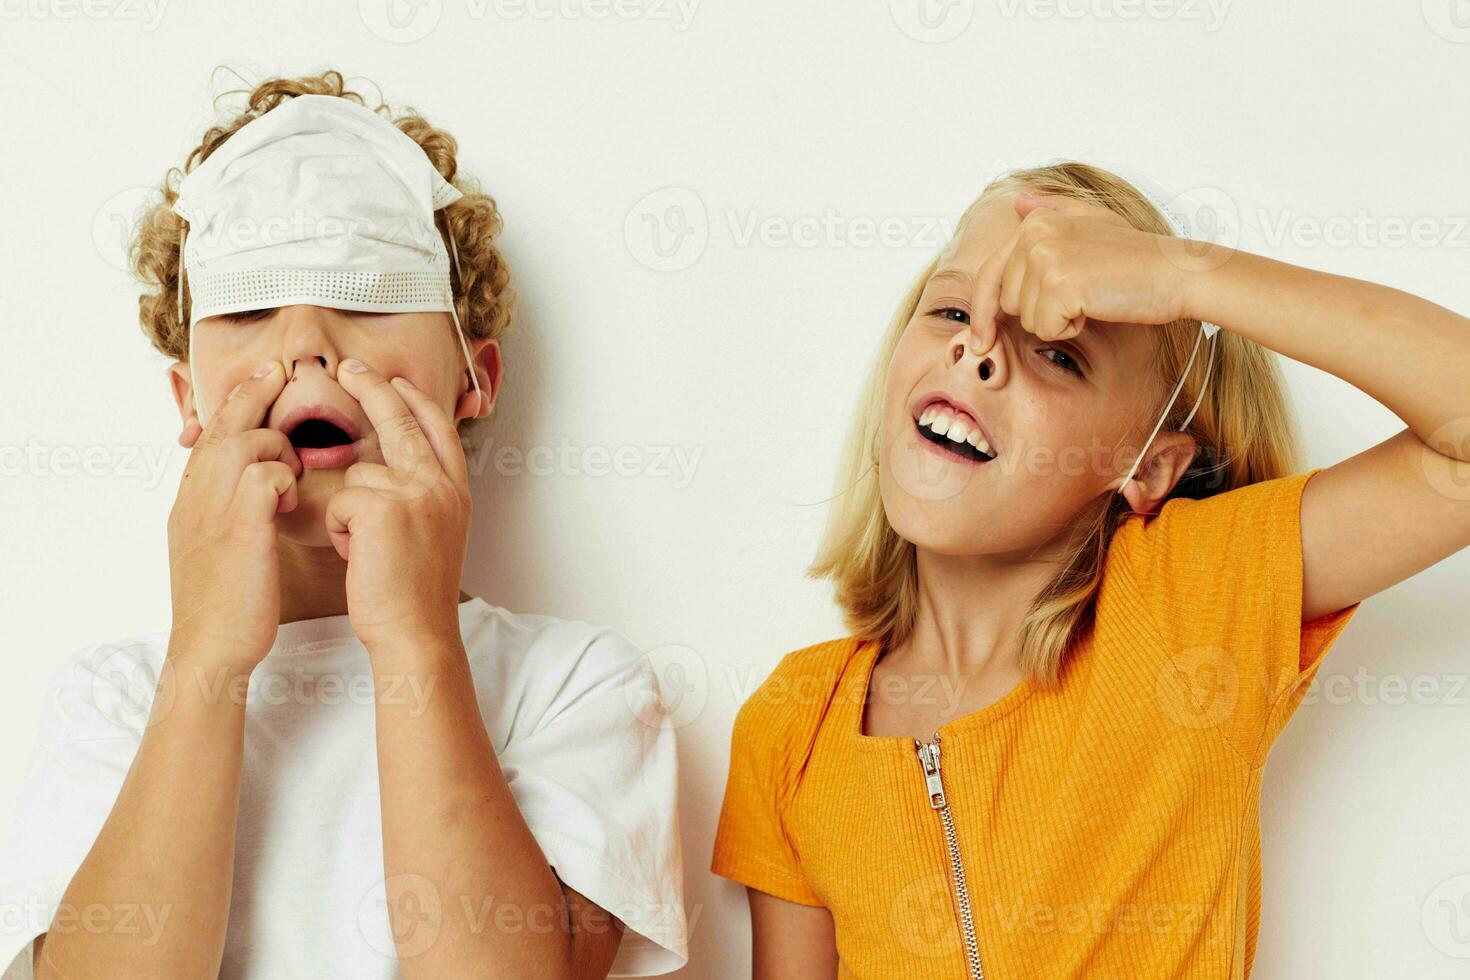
{"x":336,"y":763}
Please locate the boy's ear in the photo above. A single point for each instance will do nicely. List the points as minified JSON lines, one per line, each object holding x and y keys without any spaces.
{"x":489,"y":369}
{"x":1168,"y":460}
{"x":182,"y":386}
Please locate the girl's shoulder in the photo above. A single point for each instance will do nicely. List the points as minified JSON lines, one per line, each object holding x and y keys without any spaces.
{"x":790,"y":704}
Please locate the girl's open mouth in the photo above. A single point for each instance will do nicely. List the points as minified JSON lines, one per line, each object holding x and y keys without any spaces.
{"x":962,"y":450}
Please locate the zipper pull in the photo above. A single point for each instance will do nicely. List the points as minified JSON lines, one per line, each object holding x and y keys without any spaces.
{"x":929,"y":760}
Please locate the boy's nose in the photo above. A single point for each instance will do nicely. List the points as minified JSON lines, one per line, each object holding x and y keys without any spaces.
{"x":320,"y":360}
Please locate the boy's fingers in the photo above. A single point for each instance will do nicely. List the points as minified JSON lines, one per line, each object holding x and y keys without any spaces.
{"x":403,"y":443}
{"x":442,"y":436}
{"x":266,"y":487}
{"x":375,"y":476}
{"x":245,"y":406}
{"x":245,"y":449}
{"x":342,"y":509}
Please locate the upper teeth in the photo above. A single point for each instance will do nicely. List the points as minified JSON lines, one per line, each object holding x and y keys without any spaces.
{"x":943,"y":422}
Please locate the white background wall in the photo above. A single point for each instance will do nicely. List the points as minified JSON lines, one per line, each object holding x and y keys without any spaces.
{"x":819,"y":118}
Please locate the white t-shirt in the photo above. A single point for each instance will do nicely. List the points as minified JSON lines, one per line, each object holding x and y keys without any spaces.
{"x":574,"y":714}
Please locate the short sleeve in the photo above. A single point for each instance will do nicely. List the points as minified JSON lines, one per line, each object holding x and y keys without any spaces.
{"x":91,"y":725}
{"x":1218,"y":582}
{"x":596,"y":781}
{"x":751,"y":842}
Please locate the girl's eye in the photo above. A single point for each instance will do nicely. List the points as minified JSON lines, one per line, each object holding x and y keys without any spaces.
{"x":244,"y":315}
{"x":953,"y":313}
{"x":1075,"y":367}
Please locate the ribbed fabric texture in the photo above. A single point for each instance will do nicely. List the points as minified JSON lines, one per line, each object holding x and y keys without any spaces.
{"x":1108,"y":828}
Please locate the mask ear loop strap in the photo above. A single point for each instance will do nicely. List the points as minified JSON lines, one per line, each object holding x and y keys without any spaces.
{"x":453,"y":312}
{"x":189,"y":339}
{"x":1165,"y":414}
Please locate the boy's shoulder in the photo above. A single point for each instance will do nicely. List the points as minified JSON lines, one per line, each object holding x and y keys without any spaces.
{"x":562,"y":658}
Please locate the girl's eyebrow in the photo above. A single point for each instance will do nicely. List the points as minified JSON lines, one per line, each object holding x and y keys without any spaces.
{"x":957,"y":276}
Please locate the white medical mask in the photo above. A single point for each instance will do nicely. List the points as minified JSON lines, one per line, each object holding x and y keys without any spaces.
{"x":319,"y":201}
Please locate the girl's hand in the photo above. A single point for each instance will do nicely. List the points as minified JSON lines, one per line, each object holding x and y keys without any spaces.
{"x":402,"y":527}
{"x":222,"y":546}
{"x":1071,"y":262}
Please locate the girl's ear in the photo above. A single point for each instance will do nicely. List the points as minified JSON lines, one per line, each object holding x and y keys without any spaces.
{"x":182,"y":386}
{"x":489,"y":369}
{"x":1160,"y":472}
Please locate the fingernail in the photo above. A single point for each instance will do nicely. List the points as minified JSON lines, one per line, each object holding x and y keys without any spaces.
{"x":355,"y":366}
{"x":405,"y":382}
{"x":264,"y":369}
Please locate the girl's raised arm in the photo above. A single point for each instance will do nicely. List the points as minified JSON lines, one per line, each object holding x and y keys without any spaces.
{"x":1396,"y":508}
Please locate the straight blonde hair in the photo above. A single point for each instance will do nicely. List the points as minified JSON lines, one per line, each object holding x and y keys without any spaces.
{"x":1244,"y":429}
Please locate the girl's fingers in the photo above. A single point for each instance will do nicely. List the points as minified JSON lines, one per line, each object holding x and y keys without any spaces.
{"x":1057,"y":316}
{"x":1026,"y":203}
{"x":988,"y":283}
{"x":1031,"y":295}
{"x":1012,"y":278}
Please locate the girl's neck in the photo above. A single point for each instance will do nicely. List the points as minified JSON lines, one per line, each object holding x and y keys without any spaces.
{"x":970,"y":613}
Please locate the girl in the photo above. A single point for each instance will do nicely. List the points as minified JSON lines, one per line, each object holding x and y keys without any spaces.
{"x":336,"y":763}
{"x":1040,"y":752}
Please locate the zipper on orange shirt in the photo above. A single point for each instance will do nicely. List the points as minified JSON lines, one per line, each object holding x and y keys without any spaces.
{"x":934,"y":784}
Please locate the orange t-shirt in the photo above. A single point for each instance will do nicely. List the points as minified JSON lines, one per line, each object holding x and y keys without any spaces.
{"x":1109,"y":828}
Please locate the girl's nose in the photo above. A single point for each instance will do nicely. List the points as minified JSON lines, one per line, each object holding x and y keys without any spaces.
{"x":982,"y":346}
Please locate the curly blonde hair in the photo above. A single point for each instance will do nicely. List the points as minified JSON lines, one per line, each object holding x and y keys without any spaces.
{"x":484,"y":299}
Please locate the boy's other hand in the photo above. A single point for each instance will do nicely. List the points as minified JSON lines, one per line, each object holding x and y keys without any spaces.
{"x":223,"y":562}
{"x":402,"y":525}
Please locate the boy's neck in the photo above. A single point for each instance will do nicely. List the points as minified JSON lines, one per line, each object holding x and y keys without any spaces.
{"x":314,"y":583}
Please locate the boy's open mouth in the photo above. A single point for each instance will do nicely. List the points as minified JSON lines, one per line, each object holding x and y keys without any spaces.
{"x":323,"y":437}
{"x":318,"y":434}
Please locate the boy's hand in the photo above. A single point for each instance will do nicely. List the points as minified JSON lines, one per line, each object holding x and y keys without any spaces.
{"x":402,"y":526}
{"x":223,"y":563}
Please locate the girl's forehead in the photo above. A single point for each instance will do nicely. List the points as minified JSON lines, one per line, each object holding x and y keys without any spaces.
{"x":989,"y":226}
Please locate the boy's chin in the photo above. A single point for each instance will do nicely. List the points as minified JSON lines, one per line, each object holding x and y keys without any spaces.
{"x":306,"y":524}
